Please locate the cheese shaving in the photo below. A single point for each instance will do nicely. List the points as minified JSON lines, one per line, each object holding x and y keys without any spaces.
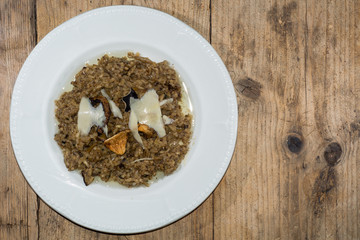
{"x":114,"y":109}
{"x":141,"y":159}
{"x":167,"y":120}
{"x":165,"y":101}
{"x":146,"y":111}
{"x":133,"y":120}
{"x":89,"y":116}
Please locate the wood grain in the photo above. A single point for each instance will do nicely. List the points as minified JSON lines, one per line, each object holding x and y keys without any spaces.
{"x":301,"y":55}
{"x":296,"y":70}
{"x":16,"y":42}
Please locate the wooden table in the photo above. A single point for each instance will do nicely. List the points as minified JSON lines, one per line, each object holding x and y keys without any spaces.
{"x":295,"y":173}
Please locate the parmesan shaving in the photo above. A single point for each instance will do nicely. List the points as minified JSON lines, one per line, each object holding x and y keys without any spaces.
{"x":133,"y":120}
{"x":165,"y":101}
{"x":167,"y":120}
{"x":105,"y":130}
{"x":89,"y":116}
{"x":146,"y":111}
{"x":141,"y":159}
{"x":114,"y":109}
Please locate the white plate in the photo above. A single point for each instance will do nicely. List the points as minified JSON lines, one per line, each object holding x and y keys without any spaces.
{"x":55,"y":60}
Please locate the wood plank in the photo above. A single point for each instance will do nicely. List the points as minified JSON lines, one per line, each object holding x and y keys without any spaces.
{"x":294,"y":68}
{"x":335,"y":80}
{"x":53,"y":13}
{"x":16,"y":41}
{"x":197,"y":225}
{"x":355,"y":58}
{"x":251,"y":203}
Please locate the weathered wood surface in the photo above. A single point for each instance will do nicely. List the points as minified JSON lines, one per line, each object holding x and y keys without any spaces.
{"x":295,"y":173}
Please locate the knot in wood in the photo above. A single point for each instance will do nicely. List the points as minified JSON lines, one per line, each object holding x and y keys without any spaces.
{"x":294,"y":144}
{"x":332,"y":153}
{"x":249,"y":88}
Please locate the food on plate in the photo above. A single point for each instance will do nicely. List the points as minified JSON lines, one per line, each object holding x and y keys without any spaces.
{"x":117,"y":143}
{"x":124,"y":120}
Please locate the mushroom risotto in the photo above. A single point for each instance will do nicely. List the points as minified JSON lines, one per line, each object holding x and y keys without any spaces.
{"x":124,"y":120}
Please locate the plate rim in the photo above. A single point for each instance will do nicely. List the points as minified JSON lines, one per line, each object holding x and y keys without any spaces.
{"x":17,"y":90}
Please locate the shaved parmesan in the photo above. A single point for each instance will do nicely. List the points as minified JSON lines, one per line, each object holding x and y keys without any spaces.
{"x":146,"y":111}
{"x":165,"y":101}
{"x":133,"y":125}
{"x":167,"y":120}
{"x":105,"y":130}
{"x":89,"y":116}
{"x":141,"y":159}
{"x":114,"y":109}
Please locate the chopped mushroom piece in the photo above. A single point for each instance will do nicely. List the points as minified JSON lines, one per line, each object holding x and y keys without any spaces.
{"x":117,"y":143}
{"x":145,"y":129}
{"x":105,"y":104}
{"x":126,"y":99}
{"x":87,"y":177}
{"x":139,"y":91}
{"x":114,"y":109}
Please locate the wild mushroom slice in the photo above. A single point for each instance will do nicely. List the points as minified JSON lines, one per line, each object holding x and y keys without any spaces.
{"x":105,"y":104}
{"x":126,"y":99}
{"x":87,"y":177}
{"x":145,"y":129}
{"x":117,"y":143}
{"x":114,"y":109}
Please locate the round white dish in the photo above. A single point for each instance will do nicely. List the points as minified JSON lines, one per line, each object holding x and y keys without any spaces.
{"x":116,"y":30}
